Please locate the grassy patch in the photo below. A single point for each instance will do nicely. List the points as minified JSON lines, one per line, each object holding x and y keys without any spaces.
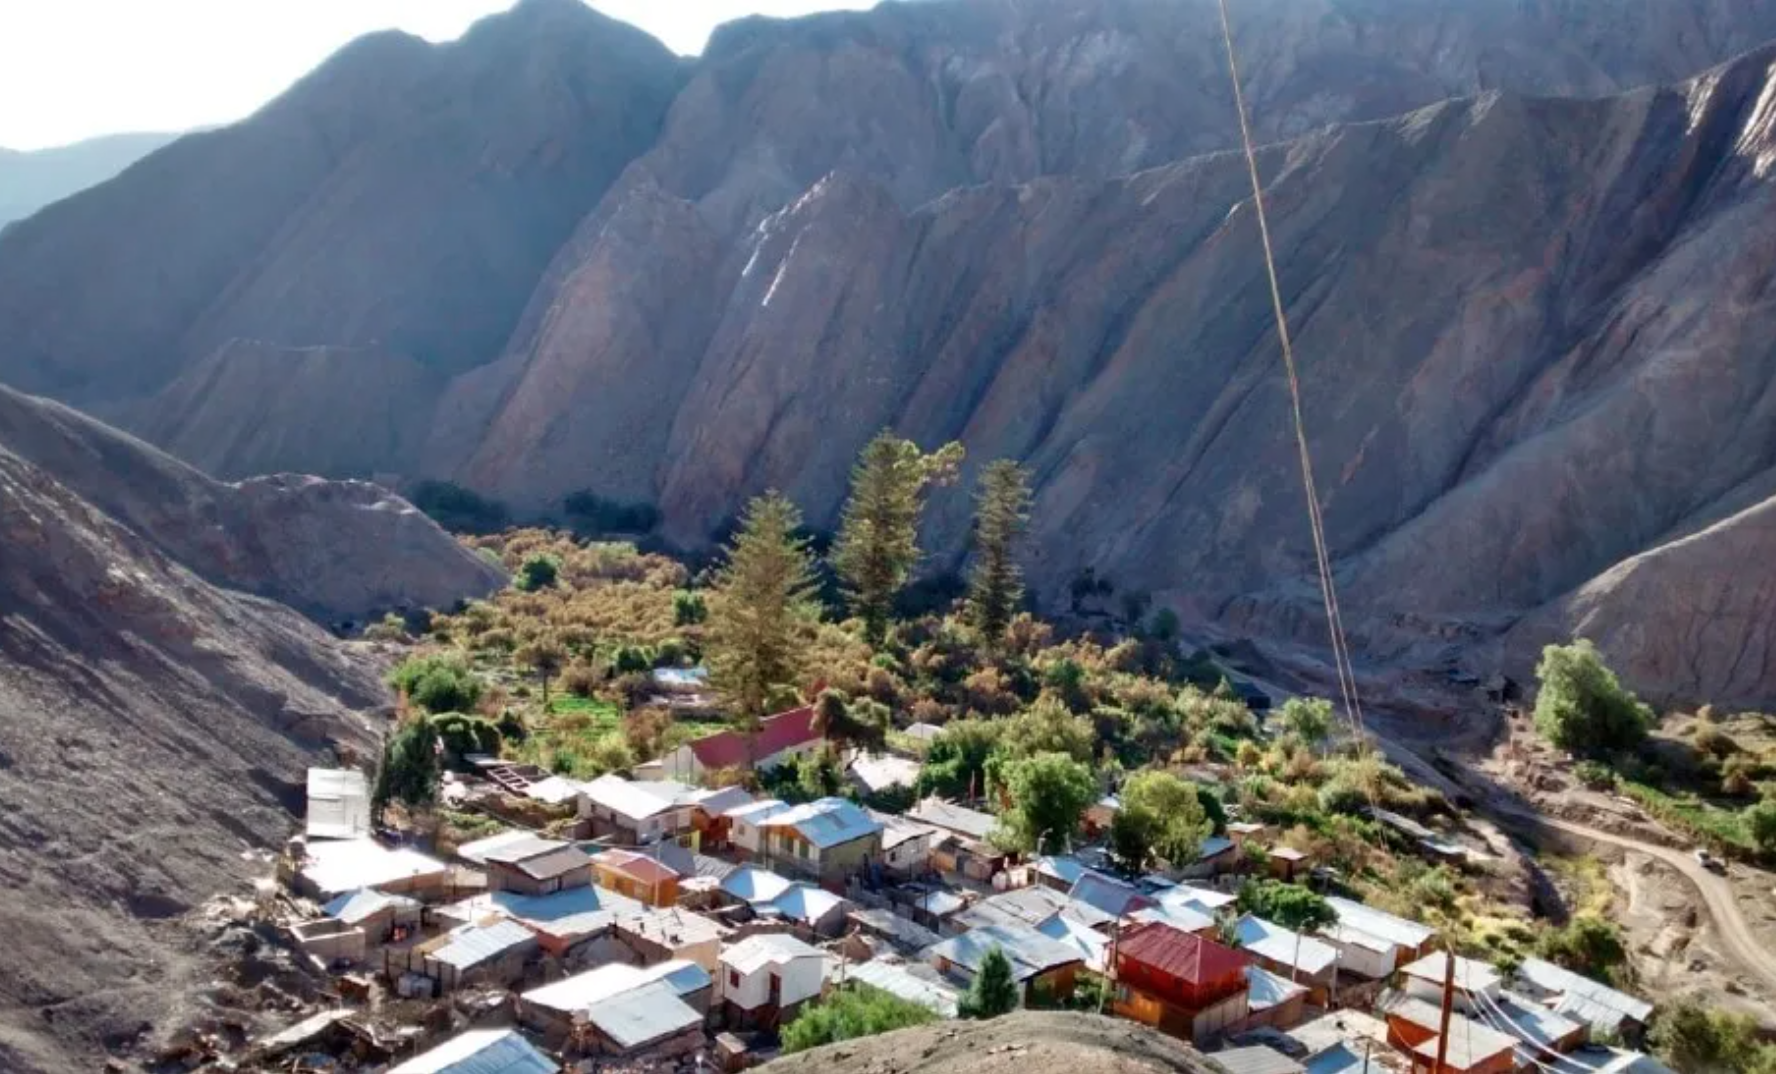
{"x":1718,"y":827}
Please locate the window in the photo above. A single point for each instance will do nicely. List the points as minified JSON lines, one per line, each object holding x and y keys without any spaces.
{"x":734,"y":978}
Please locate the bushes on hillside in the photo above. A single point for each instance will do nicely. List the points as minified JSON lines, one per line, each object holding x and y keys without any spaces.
{"x":1582,"y":707}
{"x":854,"y":1011}
{"x":437,"y":683}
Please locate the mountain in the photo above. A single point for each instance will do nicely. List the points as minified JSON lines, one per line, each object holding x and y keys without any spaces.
{"x":155,"y":718}
{"x":1530,"y":297}
{"x":31,"y":180}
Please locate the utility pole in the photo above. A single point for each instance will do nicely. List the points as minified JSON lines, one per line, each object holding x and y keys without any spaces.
{"x":1448,"y":1006}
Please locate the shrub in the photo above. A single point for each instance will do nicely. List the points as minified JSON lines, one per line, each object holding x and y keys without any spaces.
{"x":1289,"y":905}
{"x":458,"y":509}
{"x":579,"y":679}
{"x":1596,"y":775}
{"x":409,"y":770}
{"x":1342,"y":796}
{"x":1587,"y":945}
{"x":855,"y":1011}
{"x":1582,"y":707}
{"x":631,"y":660}
{"x":595,"y":515}
{"x":993,"y":991}
{"x":1760,"y":825}
{"x":437,"y":683}
{"x":463,"y":735}
{"x":1692,"y":1037}
{"x":688,"y":608}
{"x":538,"y":572}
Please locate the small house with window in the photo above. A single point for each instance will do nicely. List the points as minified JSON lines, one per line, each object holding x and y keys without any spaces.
{"x":767,"y":977}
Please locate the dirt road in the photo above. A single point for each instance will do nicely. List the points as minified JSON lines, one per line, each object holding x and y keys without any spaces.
{"x":1740,"y":943}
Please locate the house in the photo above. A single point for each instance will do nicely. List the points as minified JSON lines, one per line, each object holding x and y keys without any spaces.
{"x":914,"y":982}
{"x":1029,"y":907}
{"x":675,"y":934}
{"x":1109,"y":896}
{"x":650,"y":1019}
{"x":1183,"y":917}
{"x":481,"y":1051}
{"x":829,"y":838}
{"x":637,"y":876}
{"x":1216,"y":855}
{"x":810,"y":910}
{"x":338,"y":804}
{"x":1100,"y":814}
{"x":562,"y":1011}
{"x":768,"y":976}
{"x":1472,"y":1047}
{"x":873,"y":773}
{"x":1373,"y":943}
{"x":1605,"y":1010}
{"x":380,"y":916}
{"x":1242,"y":831}
{"x":752,"y":885}
{"x":1179,"y":983}
{"x":745,"y":831}
{"x":561,"y":921}
{"x":1475,"y":982}
{"x":885,"y":927}
{"x":963,"y":846}
{"x":330,"y":868}
{"x":780,"y":737}
{"x":1344,"y":1042}
{"x":935,"y":908}
{"x":1272,"y":1000}
{"x":1256,"y":1059}
{"x":1544,"y":1033}
{"x":554,"y":790}
{"x":1286,"y":863}
{"x":496,"y":953}
{"x":476,"y":851}
{"x":1044,"y":968}
{"x":538,"y":866}
{"x":1302,"y":959}
{"x":1058,"y":871}
{"x":1092,"y":945}
{"x":635,"y":811}
{"x":955,"y":819}
{"x":906,"y":844}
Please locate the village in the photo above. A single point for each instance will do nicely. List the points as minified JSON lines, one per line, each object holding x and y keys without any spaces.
{"x":658,"y":924}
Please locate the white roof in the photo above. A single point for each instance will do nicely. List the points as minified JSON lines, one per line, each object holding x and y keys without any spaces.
{"x":1089,"y":942}
{"x":1603,"y":1060}
{"x":879,"y":771}
{"x":635,"y":799}
{"x":721,"y":801}
{"x":338,"y":804}
{"x":827,"y":822}
{"x":336,"y":867}
{"x":1575,"y":987}
{"x":1470,"y":976}
{"x":478,"y":850}
{"x":554,"y":790}
{"x":481,"y":1051}
{"x":1207,"y":900}
{"x":576,"y":912}
{"x":643,"y":1015}
{"x":766,"y":949}
{"x":1278,"y":944}
{"x":897,"y":830}
{"x":806,"y":903}
{"x":749,"y":883}
{"x":923,"y":731}
{"x":1265,"y":989}
{"x":1378,"y":923}
{"x":930,"y":992}
{"x":1029,"y":951}
{"x":1185,"y":917}
{"x":471,"y":945}
{"x":357,"y":906}
{"x":757,"y":812}
{"x":582,"y":991}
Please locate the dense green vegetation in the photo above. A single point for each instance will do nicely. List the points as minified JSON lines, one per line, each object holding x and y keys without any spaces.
{"x":1694,"y":1038}
{"x":857,"y":1010}
{"x":993,"y":992}
{"x":878,"y":541}
{"x":1582,"y":707}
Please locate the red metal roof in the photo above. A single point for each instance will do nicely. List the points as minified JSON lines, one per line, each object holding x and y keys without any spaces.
{"x":641,"y":867}
{"x":730,"y":749}
{"x":1180,"y":954}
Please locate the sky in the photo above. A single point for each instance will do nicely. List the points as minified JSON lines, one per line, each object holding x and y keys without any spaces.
{"x":73,"y":69}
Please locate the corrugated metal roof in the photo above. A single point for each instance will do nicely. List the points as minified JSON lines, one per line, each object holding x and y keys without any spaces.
{"x":954,"y":818}
{"x":1341,"y":1058}
{"x":511,"y":851}
{"x":1395,"y":930}
{"x":580,"y":992}
{"x":757,"y":812}
{"x":827,"y":822}
{"x":1551,"y":978}
{"x":478,"y":850}
{"x":1180,"y":954}
{"x":806,"y":903}
{"x":361,"y":905}
{"x":1107,"y":894}
{"x":1091,"y":944}
{"x":1180,"y":916}
{"x":1284,"y":946}
{"x":643,"y":1016}
{"x":766,"y":949}
{"x":556,"y":863}
{"x":481,"y":1051}
{"x":935,"y":995}
{"x":1060,"y":867}
{"x":754,"y":885}
{"x":1207,"y":899}
{"x":635,"y":800}
{"x":1265,"y":990}
{"x":1029,"y":951}
{"x":940,"y":903}
{"x":572,"y":914}
{"x":1255,"y":1060}
{"x":472,"y":945}
{"x":349,"y":864}
{"x":1470,"y":975}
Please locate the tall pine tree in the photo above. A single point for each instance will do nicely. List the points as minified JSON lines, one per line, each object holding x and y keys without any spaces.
{"x":760,"y":608}
{"x":993,"y":992}
{"x":1002,"y":508}
{"x":878,"y":542}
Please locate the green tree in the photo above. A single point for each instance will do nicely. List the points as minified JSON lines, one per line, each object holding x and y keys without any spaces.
{"x":1048,"y":727}
{"x":545,"y":656}
{"x":761,"y":609}
{"x":437,"y":683}
{"x":1760,"y":824}
{"x":462,"y":735}
{"x":878,"y":542}
{"x":409,"y":771}
{"x":854,"y":1011}
{"x":1582,"y":707}
{"x":1161,"y":816}
{"x":956,"y":764}
{"x":1308,"y":717}
{"x":1289,"y":905}
{"x":1694,"y":1038}
{"x":538,"y":572}
{"x":846,"y":721}
{"x":993,"y":991}
{"x":1001,"y":512}
{"x":688,"y":608}
{"x":1049,"y":793}
{"x":1588,"y":945}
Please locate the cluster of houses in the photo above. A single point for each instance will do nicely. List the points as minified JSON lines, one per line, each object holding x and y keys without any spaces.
{"x":669,"y":923}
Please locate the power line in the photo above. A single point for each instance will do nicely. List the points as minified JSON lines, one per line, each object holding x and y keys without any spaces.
{"x":1347,"y":679}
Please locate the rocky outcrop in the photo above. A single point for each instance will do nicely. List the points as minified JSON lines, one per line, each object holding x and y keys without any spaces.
{"x":337,"y":550}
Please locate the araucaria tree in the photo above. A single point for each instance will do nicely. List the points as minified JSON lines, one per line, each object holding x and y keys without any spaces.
{"x":760,"y":608}
{"x":1581,"y":706}
{"x":546,"y":656}
{"x":878,"y":542}
{"x":994,"y":991}
{"x":1002,"y":508}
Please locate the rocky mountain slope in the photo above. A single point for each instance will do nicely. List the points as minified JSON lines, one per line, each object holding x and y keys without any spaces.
{"x":1025,"y":1042}
{"x":31,"y":180}
{"x":336,"y":550}
{"x":1533,"y":330}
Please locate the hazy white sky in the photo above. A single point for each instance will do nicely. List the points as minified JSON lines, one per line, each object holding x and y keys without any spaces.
{"x":71,"y":69}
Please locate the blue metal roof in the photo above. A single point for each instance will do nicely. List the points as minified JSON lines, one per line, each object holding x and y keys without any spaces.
{"x":481,"y":1051}
{"x":474,"y":944}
